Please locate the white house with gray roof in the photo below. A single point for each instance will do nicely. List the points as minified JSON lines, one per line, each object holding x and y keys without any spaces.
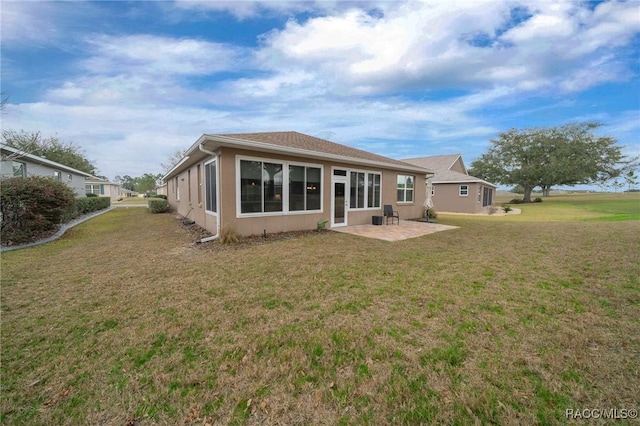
{"x":453,"y":189}
{"x":17,"y":163}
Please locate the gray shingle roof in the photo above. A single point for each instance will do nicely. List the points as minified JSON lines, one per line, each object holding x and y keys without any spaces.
{"x":441,"y":165}
{"x":310,"y":143}
{"x":437,"y":163}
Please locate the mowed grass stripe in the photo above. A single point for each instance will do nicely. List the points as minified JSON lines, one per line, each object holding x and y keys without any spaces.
{"x":501,"y":321}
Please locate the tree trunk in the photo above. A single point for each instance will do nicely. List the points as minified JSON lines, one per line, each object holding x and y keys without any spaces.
{"x":527,"y":193}
{"x":546,"y":190}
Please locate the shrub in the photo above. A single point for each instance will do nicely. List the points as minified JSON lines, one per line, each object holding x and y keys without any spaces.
{"x":229,"y":236}
{"x":321,"y":225}
{"x":91,"y":204}
{"x":164,"y":197}
{"x":91,"y":195}
{"x":432,"y":214}
{"x":33,"y":206}
{"x":157,"y":205}
{"x":537,"y":200}
{"x":506,"y":209}
{"x":516,"y":201}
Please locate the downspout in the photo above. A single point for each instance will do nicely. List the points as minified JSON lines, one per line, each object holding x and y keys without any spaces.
{"x":213,"y":154}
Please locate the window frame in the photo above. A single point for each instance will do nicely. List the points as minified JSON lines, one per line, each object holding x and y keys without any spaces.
{"x":466,"y":191}
{"x":365,"y":189}
{"x":406,"y":190}
{"x":22,"y":168}
{"x":285,"y":187}
{"x":215,"y":200}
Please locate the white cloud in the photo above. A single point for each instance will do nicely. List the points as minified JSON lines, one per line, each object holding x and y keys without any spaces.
{"x":426,"y":45}
{"x":159,"y":56}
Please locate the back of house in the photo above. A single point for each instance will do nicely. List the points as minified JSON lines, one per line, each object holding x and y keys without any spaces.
{"x":285,"y":181}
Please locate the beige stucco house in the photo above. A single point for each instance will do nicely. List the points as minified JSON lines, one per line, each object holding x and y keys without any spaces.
{"x":282,"y":181}
{"x":17,"y":163}
{"x":102,"y":188}
{"x":453,"y":189}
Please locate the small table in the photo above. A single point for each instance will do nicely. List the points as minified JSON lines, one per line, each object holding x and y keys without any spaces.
{"x":376,"y":220}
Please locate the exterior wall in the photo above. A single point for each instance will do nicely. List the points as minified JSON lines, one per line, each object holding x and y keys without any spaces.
{"x":111,"y":190}
{"x":447,"y":198}
{"x":72,"y":180}
{"x":191,"y":196}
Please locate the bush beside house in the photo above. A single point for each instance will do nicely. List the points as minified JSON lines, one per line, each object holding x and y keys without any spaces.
{"x":158,"y":205}
{"x":33,"y":208}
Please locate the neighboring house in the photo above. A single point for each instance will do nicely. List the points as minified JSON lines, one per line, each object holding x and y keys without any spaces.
{"x":102,"y":188}
{"x":283,"y":181}
{"x":453,"y":189}
{"x":126,"y":193}
{"x":17,"y":163}
{"x":161,"y":189}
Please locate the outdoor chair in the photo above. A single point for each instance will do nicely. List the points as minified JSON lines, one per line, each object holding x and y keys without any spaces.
{"x":390,"y":213}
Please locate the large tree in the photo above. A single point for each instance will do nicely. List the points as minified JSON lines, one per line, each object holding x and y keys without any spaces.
{"x":567,"y":155}
{"x":51,"y":148}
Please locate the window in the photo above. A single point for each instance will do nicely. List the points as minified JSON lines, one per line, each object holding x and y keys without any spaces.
{"x":405,"y":189}
{"x":260,"y":186}
{"x":479,"y":194}
{"x":365,"y":189}
{"x":177,"y":184}
{"x":19,"y":169}
{"x":57,"y":176}
{"x":464,"y":190}
{"x":189,"y":184}
{"x":373,"y":190}
{"x":304,"y":188}
{"x":97,"y":189}
{"x":357,"y":190}
{"x":199,"y":184}
{"x":70,"y":177}
{"x":211,"y":186}
{"x":266,"y":186}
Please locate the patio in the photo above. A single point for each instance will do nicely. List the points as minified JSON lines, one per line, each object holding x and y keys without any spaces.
{"x":406,"y":229}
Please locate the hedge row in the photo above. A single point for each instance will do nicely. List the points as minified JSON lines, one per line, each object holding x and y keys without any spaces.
{"x":91,"y":204}
{"x":35,"y":207}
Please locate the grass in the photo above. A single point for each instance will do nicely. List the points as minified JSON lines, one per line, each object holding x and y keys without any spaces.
{"x":506,"y":320}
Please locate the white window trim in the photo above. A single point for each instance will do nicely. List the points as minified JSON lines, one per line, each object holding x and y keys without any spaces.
{"x":405,"y":190}
{"x":366,"y":189}
{"x":285,"y":187}
{"x":460,"y":191}
{"x":203,"y":171}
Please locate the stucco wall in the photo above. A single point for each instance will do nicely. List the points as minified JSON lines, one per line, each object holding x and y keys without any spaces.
{"x":193,"y":207}
{"x":447,"y":198}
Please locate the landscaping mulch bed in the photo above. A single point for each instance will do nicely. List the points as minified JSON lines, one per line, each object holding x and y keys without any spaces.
{"x":197,"y":233}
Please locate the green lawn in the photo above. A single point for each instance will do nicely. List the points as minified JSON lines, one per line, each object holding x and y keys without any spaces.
{"x":506,"y":320}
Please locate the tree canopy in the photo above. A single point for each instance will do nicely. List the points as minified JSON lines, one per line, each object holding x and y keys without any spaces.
{"x":51,"y":148}
{"x":145,"y":183}
{"x":567,"y":155}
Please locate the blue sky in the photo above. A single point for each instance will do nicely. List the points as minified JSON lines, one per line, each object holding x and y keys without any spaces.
{"x":132,"y":82}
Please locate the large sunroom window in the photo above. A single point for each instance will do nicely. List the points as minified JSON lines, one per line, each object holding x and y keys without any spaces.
{"x":260,"y":186}
{"x":304,"y":188}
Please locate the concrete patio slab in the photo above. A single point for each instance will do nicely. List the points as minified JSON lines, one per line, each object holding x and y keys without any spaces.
{"x":406,"y":229}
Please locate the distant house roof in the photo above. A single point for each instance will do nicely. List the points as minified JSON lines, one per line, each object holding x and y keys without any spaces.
{"x":19,"y":154}
{"x":96,"y":180}
{"x":442,"y":164}
{"x":292,"y":143}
